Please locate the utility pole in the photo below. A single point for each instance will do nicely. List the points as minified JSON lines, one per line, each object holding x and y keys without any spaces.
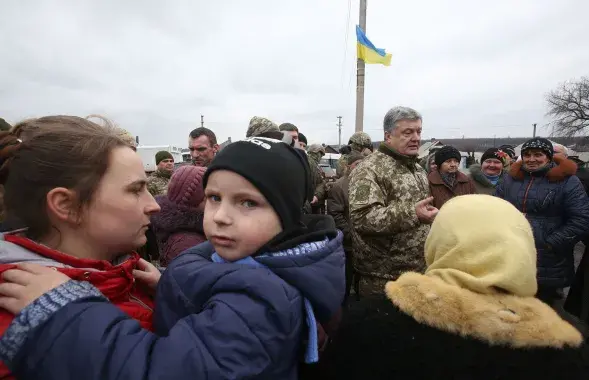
{"x":360,"y":75}
{"x":534,"y":129}
{"x":339,"y":132}
{"x":202,"y":120}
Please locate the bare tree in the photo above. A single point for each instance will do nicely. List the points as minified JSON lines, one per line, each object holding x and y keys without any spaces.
{"x":568,"y":106}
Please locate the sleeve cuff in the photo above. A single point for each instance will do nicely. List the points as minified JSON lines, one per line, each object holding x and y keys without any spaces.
{"x":39,"y":311}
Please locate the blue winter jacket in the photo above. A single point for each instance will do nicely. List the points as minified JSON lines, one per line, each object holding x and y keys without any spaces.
{"x":556,"y":205}
{"x":213,"y":321}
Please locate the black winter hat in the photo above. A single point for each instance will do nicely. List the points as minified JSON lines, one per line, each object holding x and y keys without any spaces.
{"x":274,"y":168}
{"x":509,"y":150}
{"x":302,"y":138}
{"x":539,"y":143}
{"x":492,"y":153}
{"x":445,"y":153}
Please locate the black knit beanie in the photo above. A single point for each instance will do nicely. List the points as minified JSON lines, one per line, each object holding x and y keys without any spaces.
{"x":539,"y":143}
{"x":445,"y":153}
{"x":274,"y":168}
{"x":302,"y":138}
{"x":491,"y":153}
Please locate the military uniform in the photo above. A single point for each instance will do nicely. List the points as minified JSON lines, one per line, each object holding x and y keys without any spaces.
{"x":360,"y":142}
{"x":388,"y":238}
{"x":157,"y":182}
{"x":315,"y":153}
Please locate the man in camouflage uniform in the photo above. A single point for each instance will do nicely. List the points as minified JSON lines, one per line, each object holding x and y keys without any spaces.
{"x":259,"y":125}
{"x":359,"y":142}
{"x":157,"y":183}
{"x":390,"y":207}
{"x":315,"y":152}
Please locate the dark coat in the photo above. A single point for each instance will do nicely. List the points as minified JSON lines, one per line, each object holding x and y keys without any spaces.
{"x":338,"y":206}
{"x":176,"y":229}
{"x":557,"y":208}
{"x":481,"y":183}
{"x":212,"y":321}
{"x":577,"y":302}
{"x":442,"y":193}
{"x":424,"y":330}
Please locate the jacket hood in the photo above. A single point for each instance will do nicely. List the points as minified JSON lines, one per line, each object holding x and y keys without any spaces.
{"x":316,"y":269}
{"x":560,"y":170}
{"x":476,"y":172}
{"x":16,"y":249}
{"x":11,"y":253}
{"x":173,"y":218}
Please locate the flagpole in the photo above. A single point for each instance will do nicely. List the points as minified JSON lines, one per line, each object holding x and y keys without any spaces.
{"x":360,"y":75}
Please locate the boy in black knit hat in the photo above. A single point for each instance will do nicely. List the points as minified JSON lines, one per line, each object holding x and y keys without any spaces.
{"x":246,"y":304}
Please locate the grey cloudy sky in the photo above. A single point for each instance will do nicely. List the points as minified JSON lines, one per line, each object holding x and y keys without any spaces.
{"x":472,"y":68}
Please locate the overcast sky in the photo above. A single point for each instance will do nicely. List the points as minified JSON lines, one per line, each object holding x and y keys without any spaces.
{"x":471,"y":68}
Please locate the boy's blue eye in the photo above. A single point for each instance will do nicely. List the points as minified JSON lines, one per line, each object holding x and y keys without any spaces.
{"x":249,"y":204}
{"x":214,"y":198}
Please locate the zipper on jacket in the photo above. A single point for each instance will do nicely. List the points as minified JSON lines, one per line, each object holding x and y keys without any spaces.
{"x":526,"y":196}
{"x":136,"y":300}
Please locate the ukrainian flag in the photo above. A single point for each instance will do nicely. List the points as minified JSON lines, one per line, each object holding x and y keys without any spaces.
{"x":368,"y":52}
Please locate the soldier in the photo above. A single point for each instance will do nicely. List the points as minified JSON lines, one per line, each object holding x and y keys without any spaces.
{"x":315,"y":152}
{"x":157,"y":183}
{"x":359,"y":142}
{"x":259,"y":125}
{"x":292,"y":130}
{"x":338,"y":207}
{"x":390,"y":206}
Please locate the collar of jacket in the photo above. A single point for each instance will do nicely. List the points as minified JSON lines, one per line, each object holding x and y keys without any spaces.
{"x":560,"y":169}
{"x":163,"y":174}
{"x":476,"y":172}
{"x":409,"y":161}
{"x":498,"y":319}
{"x":435,"y":178}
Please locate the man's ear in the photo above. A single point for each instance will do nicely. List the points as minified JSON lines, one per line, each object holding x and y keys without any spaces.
{"x":62,"y":204}
{"x":216,"y":148}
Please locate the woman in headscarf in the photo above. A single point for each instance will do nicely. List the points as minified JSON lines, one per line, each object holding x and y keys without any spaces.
{"x":487,"y":175}
{"x":447,"y":181}
{"x":543,"y":186}
{"x":472,"y":315}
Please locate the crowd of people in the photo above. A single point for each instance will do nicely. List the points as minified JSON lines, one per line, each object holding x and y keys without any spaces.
{"x":247,"y":264}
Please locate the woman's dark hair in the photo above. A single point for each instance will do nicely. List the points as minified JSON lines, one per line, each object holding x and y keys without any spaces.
{"x":59,"y":151}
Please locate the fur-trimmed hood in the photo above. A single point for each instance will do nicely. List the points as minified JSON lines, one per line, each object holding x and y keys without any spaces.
{"x":173,"y":218}
{"x":498,"y":319}
{"x":477,"y":175}
{"x":560,"y":169}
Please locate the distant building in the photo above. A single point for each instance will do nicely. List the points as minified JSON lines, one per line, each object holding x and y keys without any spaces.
{"x":429,"y":147}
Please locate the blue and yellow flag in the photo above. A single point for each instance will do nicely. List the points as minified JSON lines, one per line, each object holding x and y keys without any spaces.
{"x":368,"y":52}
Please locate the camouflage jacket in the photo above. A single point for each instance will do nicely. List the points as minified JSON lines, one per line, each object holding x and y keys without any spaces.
{"x":342,"y":165}
{"x":388,"y":238}
{"x":157,"y":183}
{"x":317,"y":178}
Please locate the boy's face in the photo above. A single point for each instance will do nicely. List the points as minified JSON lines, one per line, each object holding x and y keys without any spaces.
{"x":238,"y":219}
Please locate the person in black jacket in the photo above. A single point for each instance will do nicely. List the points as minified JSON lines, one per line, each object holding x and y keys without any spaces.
{"x":472,"y":315}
